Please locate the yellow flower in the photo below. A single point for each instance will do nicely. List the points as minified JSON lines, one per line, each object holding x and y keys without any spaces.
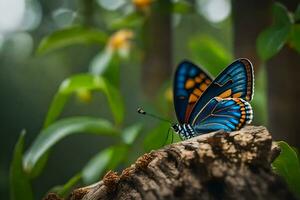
{"x":120,"y":39}
{"x":142,"y":4}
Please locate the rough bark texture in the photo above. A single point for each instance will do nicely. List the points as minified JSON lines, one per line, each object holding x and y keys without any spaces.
{"x":218,"y":165}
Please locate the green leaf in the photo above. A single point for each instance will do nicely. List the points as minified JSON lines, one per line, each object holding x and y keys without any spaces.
{"x":70,"y":36}
{"x":20,"y":187}
{"x":112,"y":73}
{"x":64,"y":190}
{"x":130,"y":133}
{"x":59,"y":130}
{"x":182,"y":7}
{"x":295,"y":37}
{"x":271,"y":40}
{"x":100,"y":62}
{"x":56,"y":107}
{"x":131,"y":20}
{"x":297,"y":152}
{"x":281,"y":15}
{"x":107,"y":64}
{"x":209,"y":53}
{"x":120,"y":153}
{"x":39,"y":166}
{"x":107,"y":159}
{"x":287,"y":165}
{"x":156,"y":137}
{"x":115,"y":101}
{"x":297,"y":14}
{"x":96,"y":166}
{"x":85,"y":82}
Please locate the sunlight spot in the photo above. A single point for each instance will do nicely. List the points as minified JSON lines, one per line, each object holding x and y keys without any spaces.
{"x":65,"y":84}
{"x":111,"y":4}
{"x":214,"y":10}
{"x":32,"y":16}
{"x":63,"y":17}
{"x":11,"y":14}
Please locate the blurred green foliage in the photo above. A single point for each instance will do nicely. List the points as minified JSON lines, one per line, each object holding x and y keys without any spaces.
{"x":60,"y":129}
{"x":287,"y":165}
{"x":131,"y":20}
{"x":20,"y":187}
{"x":71,"y":36}
{"x":259,"y":102}
{"x":85,"y":82}
{"x":107,"y":159}
{"x":154,"y":139}
{"x":64,"y":190}
{"x":210,"y":53}
{"x":103,"y":74}
{"x":182,"y":7}
{"x":283,"y":30}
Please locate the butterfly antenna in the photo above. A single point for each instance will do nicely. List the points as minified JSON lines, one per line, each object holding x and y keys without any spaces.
{"x":141,"y":111}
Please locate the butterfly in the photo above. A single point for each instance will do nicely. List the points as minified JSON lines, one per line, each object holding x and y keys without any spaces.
{"x":203,"y":104}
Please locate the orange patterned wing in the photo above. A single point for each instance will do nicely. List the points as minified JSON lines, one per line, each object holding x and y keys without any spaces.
{"x":235,"y":81}
{"x":189,"y":84}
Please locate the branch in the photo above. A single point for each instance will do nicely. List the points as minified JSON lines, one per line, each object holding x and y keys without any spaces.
{"x":218,"y":165}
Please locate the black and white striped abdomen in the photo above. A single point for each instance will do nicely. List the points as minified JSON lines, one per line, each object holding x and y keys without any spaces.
{"x":185,"y":131}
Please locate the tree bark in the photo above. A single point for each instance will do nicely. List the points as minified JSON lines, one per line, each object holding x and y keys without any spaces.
{"x":283,"y":96}
{"x":218,"y":165}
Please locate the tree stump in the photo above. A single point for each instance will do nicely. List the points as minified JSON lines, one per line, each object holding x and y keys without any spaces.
{"x":217,"y":165}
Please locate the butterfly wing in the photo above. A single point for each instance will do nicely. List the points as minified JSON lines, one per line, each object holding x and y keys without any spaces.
{"x":189,"y":84}
{"x":227,"y":114}
{"x":236,"y":81}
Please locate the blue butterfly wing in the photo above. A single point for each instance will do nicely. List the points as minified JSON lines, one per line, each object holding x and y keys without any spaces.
{"x":223,"y":114}
{"x":189,"y":84}
{"x":236,"y":81}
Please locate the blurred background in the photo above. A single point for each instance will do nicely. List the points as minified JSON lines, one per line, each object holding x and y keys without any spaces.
{"x":104,"y":58}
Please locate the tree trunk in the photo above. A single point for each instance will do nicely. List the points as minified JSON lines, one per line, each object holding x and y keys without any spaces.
{"x":249,"y":19}
{"x":218,"y":165}
{"x":283,"y":88}
{"x":284,"y":91}
{"x":157,"y":62}
{"x":283,"y":96}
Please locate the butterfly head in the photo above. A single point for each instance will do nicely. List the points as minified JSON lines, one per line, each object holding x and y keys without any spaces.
{"x":185,"y":131}
{"x":175,"y":127}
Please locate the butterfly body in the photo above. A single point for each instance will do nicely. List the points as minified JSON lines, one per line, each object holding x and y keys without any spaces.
{"x":204,"y":105}
{"x":185,"y":131}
